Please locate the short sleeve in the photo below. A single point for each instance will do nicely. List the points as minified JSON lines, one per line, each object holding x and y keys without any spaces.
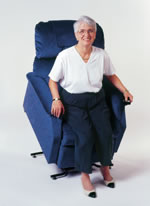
{"x":108,"y":66}
{"x":56,"y":73}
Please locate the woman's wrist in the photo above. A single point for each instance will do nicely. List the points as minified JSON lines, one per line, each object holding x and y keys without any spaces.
{"x":56,"y":99}
{"x":125,"y":91}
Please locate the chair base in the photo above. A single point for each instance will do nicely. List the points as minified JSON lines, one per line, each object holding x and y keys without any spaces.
{"x":34,"y":155}
{"x":65,"y":171}
{"x":96,"y":165}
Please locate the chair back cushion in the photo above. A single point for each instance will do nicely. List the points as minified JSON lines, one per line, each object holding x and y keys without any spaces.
{"x":53,"y":36}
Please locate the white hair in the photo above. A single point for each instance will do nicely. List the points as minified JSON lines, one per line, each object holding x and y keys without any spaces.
{"x":84,"y":19}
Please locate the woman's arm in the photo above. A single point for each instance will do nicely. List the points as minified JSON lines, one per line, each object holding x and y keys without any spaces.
{"x":117,"y":83}
{"x":57,"y":107}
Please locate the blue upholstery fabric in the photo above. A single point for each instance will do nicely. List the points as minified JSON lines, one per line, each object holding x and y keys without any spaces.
{"x":43,"y":66}
{"x":45,"y":39}
{"x":114,"y":100}
{"x":47,"y":128}
{"x":54,"y":136}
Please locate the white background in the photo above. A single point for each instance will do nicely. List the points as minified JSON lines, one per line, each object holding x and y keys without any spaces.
{"x":126,"y":26}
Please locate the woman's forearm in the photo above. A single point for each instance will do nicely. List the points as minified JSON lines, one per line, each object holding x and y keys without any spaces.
{"x":117,"y":83}
{"x":54,"y":89}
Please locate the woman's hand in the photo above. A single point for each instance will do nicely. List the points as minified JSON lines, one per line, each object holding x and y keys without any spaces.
{"x":128,"y":96}
{"x":117,"y":83}
{"x":57,"y":108}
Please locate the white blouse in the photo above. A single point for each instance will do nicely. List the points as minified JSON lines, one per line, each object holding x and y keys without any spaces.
{"x":76,"y":76}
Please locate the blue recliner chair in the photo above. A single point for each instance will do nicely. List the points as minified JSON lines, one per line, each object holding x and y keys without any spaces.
{"x":54,"y":136}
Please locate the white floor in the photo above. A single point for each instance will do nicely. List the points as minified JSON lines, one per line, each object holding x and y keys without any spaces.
{"x":25,"y":181}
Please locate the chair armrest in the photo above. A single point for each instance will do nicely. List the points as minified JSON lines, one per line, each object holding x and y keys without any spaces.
{"x":114,"y":98}
{"x":47,"y":128}
{"x":41,"y":87}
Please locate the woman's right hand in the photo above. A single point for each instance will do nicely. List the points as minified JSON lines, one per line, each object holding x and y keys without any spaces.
{"x":57,"y":108}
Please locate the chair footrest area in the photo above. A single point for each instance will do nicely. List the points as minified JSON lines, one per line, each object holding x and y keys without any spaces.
{"x":64,"y":173}
{"x":96,"y":165}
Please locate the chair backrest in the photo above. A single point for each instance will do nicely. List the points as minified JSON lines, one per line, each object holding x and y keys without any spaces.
{"x":52,"y":37}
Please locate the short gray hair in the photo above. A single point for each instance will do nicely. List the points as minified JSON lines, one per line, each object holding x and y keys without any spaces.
{"x":84,"y":19}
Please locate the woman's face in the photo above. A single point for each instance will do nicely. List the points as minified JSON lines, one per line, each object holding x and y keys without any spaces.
{"x":85,"y":35}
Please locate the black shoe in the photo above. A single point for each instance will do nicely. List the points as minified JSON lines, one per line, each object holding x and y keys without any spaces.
{"x":91,"y":193}
{"x":110,"y":184}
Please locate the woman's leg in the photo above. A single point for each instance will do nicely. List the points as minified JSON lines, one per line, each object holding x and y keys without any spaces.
{"x":108,"y":180}
{"x":78,"y":119}
{"x":86,"y":182}
{"x":101,"y":121}
{"x":99,"y":116}
{"x":106,"y":173}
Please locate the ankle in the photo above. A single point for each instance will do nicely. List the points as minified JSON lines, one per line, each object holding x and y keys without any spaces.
{"x":86,"y":182}
{"x":106,"y":173}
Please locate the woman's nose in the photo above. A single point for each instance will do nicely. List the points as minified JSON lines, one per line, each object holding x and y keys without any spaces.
{"x":87,"y":33}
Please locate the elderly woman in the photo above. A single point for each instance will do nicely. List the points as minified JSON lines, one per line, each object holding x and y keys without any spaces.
{"x":79,"y":70}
